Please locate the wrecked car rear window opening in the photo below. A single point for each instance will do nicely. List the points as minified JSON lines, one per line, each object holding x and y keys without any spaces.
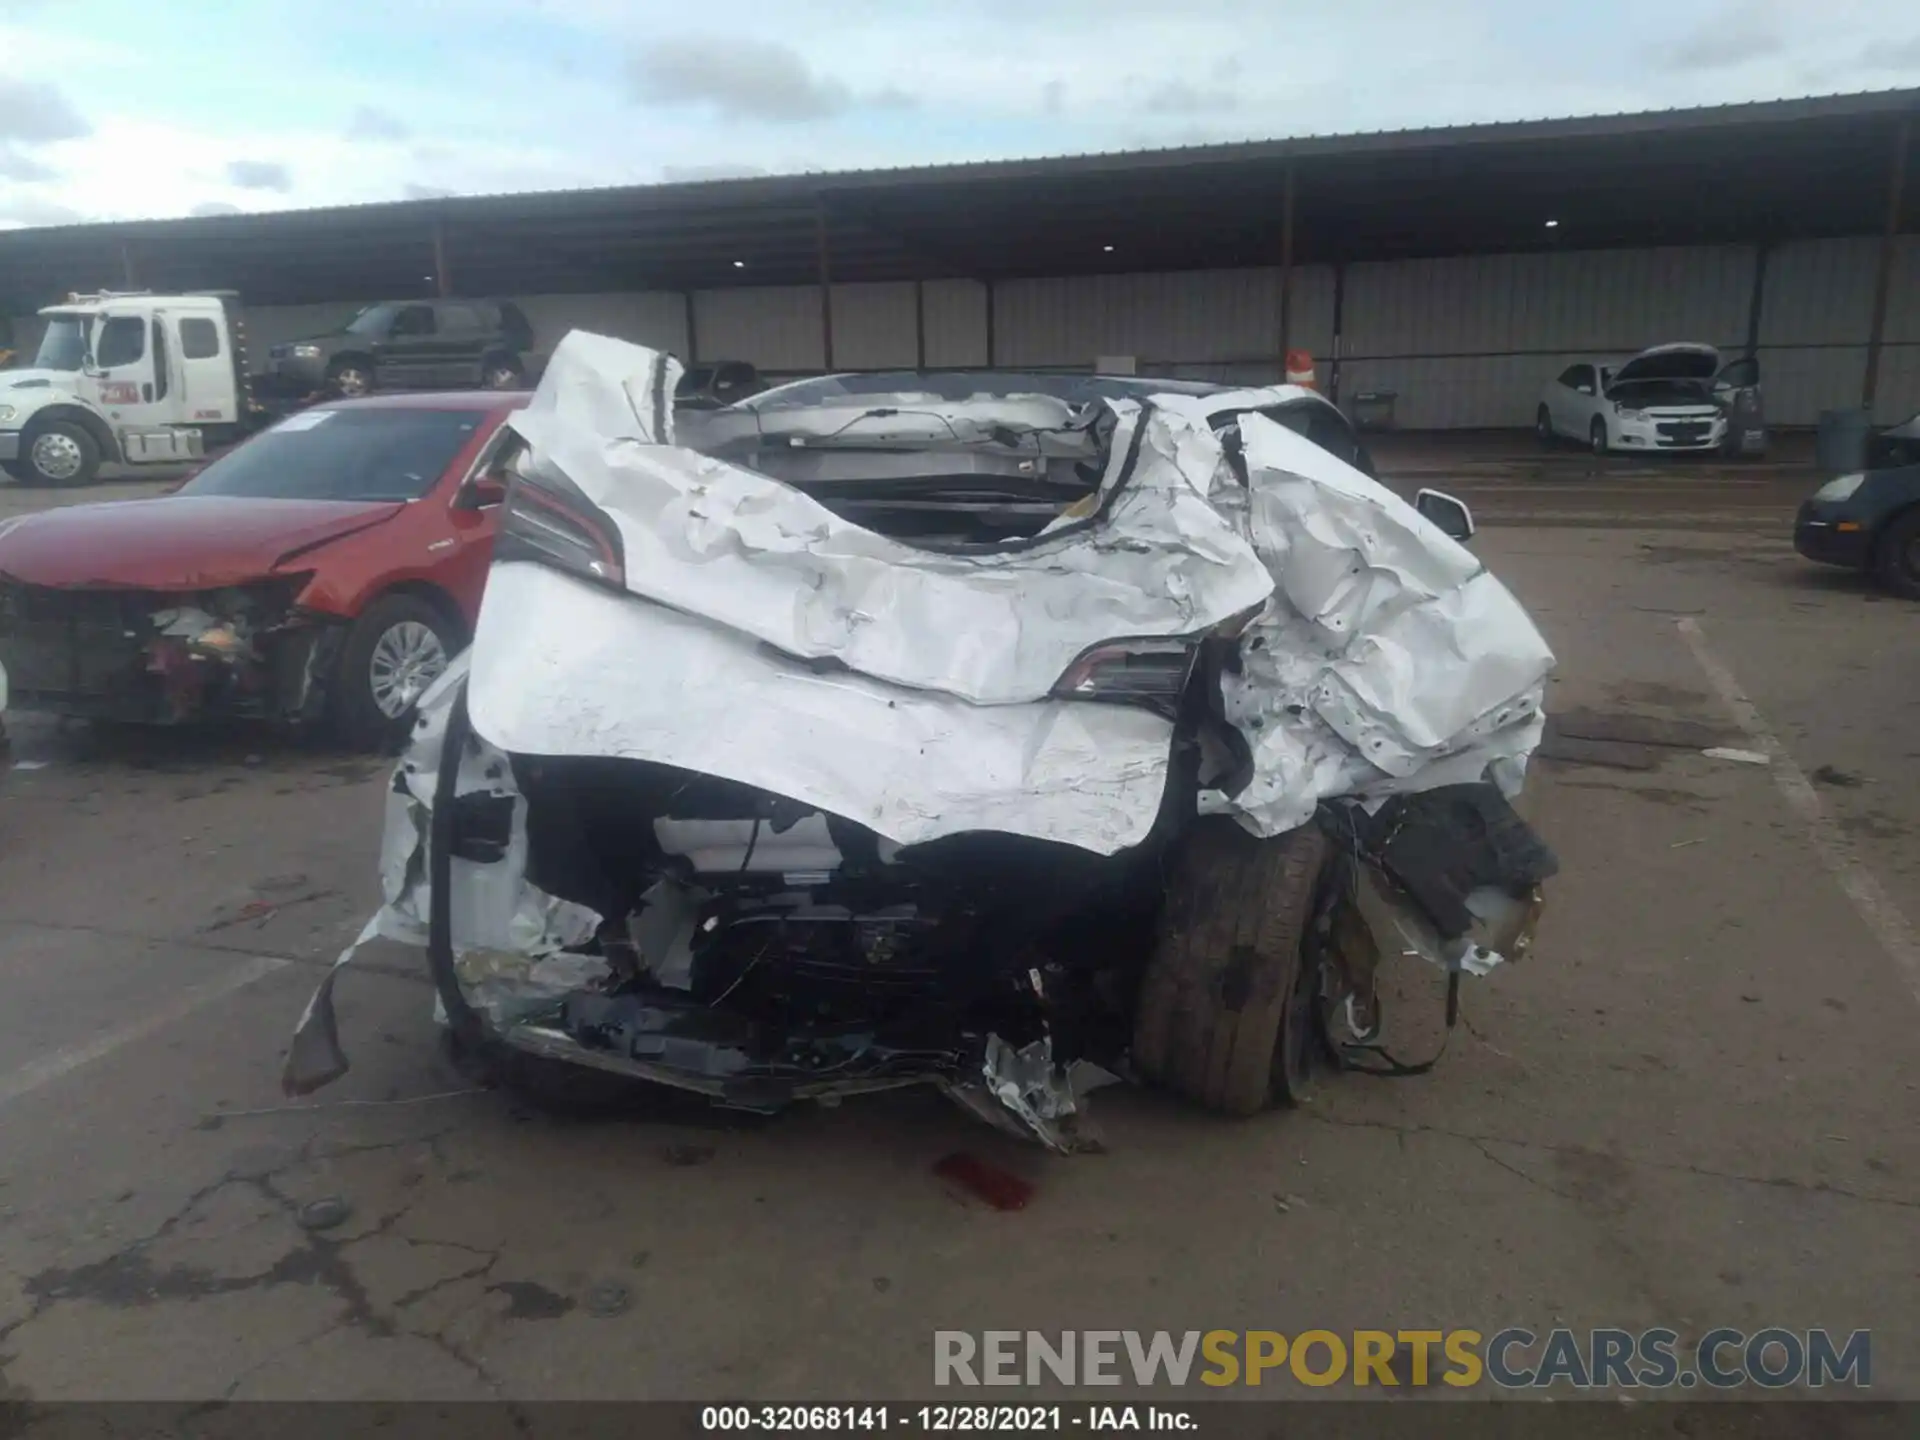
{"x":356,"y":455}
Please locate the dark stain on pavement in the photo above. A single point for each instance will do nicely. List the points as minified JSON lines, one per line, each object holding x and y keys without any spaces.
{"x":528,"y":1300}
{"x":130,"y":1280}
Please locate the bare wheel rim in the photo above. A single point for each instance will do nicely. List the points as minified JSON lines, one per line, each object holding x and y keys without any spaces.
{"x":407,"y":658}
{"x":351,"y":381}
{"x":57,"y":456}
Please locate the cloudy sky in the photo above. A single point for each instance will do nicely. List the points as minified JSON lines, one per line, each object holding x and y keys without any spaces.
{"x":114,"y":109}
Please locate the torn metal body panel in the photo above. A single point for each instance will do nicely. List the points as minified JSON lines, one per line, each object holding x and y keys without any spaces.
{"x":769,"y":779}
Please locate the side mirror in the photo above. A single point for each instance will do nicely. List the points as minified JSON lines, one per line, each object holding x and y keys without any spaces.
{"x":482,"y":493}
{"x":1449,"y":515}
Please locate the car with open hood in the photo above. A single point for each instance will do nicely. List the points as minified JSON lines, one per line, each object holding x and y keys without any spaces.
{"x":956,"y":733}
{"x":326,"y":569}
{"x":1671,"y":397}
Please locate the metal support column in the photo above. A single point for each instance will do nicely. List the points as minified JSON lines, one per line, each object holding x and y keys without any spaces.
{"x":693,"y":331}
{"x":990,"y":345}
{"x":825,"y":257}
{"x":442,"y":280}
{"x":1339,"y":307}
{"x":1883,"y":281}
{"x":1286,"y":271}
{"x":126,"y":266}
{"x":1762,"y":253}
{"x":919,"y":325}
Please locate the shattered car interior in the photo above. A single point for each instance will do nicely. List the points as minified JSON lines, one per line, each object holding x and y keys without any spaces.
{"x":1011,"y":742}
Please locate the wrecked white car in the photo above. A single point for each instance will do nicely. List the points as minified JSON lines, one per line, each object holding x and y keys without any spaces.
{"x":1002,"y":741}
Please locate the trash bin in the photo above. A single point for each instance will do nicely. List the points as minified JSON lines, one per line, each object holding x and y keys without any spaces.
{"x":1840,"y":444}
{"x":1373,"y":409}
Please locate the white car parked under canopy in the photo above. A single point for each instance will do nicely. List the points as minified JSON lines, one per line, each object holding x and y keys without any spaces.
{"x":1666,"y":398}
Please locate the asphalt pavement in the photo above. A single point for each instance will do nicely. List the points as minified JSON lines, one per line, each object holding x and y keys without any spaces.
{"x":1694,"y":1105}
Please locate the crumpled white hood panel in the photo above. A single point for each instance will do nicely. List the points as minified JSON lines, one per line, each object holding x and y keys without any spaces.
{"x":1385,"y":658}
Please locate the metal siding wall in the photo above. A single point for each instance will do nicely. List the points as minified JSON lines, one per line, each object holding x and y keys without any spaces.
{"x":1468,"y":341}
{"x":1817,"y":312}
{"x":654,"y":318}
{"x":1179,"y":319}
{"x":774,"y":327}
{"x":873,"y":327}
{"x":956,"y":323}
{"x":1464,"y":341}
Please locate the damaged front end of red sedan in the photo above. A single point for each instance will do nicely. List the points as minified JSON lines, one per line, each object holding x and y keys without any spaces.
{"x":245,"y":651}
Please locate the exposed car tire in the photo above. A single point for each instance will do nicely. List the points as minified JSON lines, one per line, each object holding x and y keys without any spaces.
{"x":59,"y":452}
{"x":501,"y":372}
{"x":1896,"y":555}
{"x":1543,"y":427}
{"x":1597,"y":436}
{"x":400,"y":645}
{"x":350,"y":377}
{"x":1227,"y":965}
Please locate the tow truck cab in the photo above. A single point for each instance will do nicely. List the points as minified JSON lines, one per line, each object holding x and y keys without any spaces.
{"x":127,"y":378}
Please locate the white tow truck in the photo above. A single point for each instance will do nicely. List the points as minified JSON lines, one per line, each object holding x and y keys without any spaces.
{"x":130,"y":379}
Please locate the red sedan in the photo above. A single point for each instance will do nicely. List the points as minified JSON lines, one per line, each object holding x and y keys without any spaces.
{"x":324,"y":570}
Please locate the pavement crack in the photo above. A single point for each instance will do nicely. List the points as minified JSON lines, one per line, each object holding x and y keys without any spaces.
{"x":414,"y":1296}
{"x":1516,"y":1170}
{"x":233,"y":1387}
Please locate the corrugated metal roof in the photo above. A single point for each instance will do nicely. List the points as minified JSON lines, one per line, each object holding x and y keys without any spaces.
{"x":1787,"y":167}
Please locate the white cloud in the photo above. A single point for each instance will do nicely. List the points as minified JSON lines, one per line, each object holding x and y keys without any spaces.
{"x":372,"y":123}
{"x":34,"y":112}
{"x":16,"y":164}
{"x":740,"y":77}
{"x":260,"y":175}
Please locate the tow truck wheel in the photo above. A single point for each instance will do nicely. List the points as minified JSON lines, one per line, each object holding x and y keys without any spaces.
{"x":398,"y":647}
{"x":1212,"y":1021}
{"x":59,"y":453}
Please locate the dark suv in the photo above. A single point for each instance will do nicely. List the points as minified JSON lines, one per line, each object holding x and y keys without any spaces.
{"x":410,"y":345}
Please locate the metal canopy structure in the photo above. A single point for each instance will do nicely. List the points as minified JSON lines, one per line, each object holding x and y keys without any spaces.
{"x":1758,"y":172}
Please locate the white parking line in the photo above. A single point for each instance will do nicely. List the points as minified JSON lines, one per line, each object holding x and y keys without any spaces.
{"x":1884,"y":918}
{"x":44,"y":1071}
